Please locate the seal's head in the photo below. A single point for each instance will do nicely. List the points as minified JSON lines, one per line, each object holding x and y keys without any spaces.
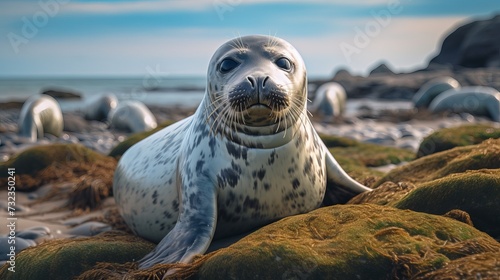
{"x":256,"y":84}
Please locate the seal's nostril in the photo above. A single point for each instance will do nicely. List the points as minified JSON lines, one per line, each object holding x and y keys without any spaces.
{"x":251,"y":80}
{"x":264,"y":81}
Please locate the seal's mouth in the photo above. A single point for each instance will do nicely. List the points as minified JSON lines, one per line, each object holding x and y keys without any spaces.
{"x":259,"y":106}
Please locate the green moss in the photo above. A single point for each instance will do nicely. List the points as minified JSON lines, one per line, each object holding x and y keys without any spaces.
{"x":371,"y":155}
{"x":357,"y":158}
{"x":336,"y":141}
{"x":478,"y":266}
{"x":338,"y":242}
{"x":66,"y":258}
{"x":356,"y":170}
{"x":346,"y":242}
{"x":456,"y":160}
{"x":121,"y":148}
{"x":449,"y":138}
{"x":39,"y":157}
{"x":475,"y":192}
{"x":368,"y":155}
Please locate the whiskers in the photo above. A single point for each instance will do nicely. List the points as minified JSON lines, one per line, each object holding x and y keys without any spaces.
{"x":238,"y":44}
{"x":227,"y":118}
{"x":272,"y":41}
{"x":287,"y":116}
{"x":223,"y":118}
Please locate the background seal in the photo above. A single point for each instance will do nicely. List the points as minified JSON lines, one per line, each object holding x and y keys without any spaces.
{"x":40,"y":114}
{"x":132,"y":116}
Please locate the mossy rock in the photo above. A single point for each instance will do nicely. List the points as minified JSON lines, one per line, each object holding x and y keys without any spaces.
{"x":457,"y":160}
{"x":475,"y":192}
{"x":39,"y":157}
{"x":449,"y":138}
{"x":67,"y":258}
{"x":348,"y":242}
{"x":385,"y":194}
{"x":479,"y":266}
{"x":357,"y":158}
{"x":359,"y":172}
{"x":121,"y":148}
{"x":332,"y":141}
{"x":369,"y":155}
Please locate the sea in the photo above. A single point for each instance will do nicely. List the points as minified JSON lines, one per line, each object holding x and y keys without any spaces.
{"x":158,"y":91}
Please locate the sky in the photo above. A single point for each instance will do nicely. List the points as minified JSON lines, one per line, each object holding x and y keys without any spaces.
{"x":66,"y":38}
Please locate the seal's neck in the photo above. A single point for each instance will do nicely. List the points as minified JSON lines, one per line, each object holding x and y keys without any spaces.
{"x":263,"y":137}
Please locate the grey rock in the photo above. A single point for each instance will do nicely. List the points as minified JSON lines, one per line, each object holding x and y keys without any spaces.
{"x":472,"y":45}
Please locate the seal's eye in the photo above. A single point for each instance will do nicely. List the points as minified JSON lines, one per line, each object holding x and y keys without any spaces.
{"x":227,"y":65}
{"x":284,"y":64}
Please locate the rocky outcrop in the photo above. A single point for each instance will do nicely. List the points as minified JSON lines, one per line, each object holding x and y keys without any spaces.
{"x":470,"y":54}
{"x":473,"y":45}
{"x":381,"y":69}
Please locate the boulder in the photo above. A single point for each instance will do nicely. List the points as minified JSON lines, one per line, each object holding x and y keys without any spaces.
{"x":448,"y":138}
{"x":43,"y":164}
{"x":348,"y":242}
{"x":476,"y":192}
{"x":67,"y":258}
{"x":438,"y":165}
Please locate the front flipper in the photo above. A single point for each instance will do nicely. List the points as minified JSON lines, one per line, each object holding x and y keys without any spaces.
{"x":194,"y":229}
{"x":340,"y":186}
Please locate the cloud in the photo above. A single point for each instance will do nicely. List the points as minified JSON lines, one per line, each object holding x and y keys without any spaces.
{"x":405,"y":43}
{"x":20,"y":8}
{"x":159,"y":6}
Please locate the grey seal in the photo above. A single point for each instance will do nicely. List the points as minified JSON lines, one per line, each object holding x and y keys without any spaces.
{"x":431,"y":89}
{"x":329,"y":101}
{"x":247,"y":157}
{"x":476,"y":100}
{"x":132,"y":116}
{"x":99,"y":108}
{"x":40,"y":114}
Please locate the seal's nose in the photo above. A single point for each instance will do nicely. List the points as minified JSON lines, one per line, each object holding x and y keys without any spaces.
{"x":258,"y":86}
{"x":259,"y":82}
